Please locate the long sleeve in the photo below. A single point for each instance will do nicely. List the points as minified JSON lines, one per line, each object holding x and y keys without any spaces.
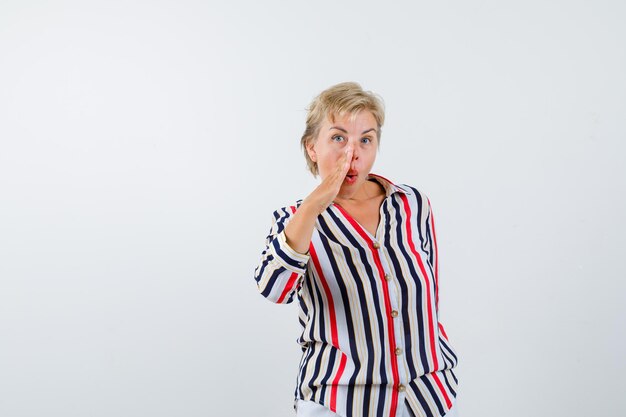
{"x":281,"y":268}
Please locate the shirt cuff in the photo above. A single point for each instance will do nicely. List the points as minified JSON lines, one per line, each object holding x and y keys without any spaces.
{"x":287,"y":257}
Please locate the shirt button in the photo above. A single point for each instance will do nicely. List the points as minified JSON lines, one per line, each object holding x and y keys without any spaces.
{"x":376,"y":245}
{"x":388,"y":277}
{"x":394,"y":313}
{"x":398,"y":351}
{"x":301,"y":264}
{"x":401,"y":388}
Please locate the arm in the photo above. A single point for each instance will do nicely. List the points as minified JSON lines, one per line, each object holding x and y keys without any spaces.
{"x":300,"y":230}
{"x":281,"y":267}
{"x":283,"y":262}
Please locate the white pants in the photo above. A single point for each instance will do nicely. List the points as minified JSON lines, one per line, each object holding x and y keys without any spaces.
{"x":312,"y":409}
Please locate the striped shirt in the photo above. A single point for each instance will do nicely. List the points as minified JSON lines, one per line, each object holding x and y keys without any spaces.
{"x":368,"y":308}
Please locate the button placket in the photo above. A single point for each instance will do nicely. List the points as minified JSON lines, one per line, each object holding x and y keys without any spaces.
{"x":398,"y":325}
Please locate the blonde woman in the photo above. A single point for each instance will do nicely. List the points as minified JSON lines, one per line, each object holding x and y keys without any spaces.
{"x":359,"y":254}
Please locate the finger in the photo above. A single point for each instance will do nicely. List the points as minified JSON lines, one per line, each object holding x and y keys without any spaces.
{"x":348,"y":161}
{"x":343,"y":165}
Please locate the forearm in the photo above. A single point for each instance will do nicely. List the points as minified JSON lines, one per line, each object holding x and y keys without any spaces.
{"x":299,"y":230}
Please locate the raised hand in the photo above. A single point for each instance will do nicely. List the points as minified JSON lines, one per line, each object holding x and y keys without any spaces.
{"x":300,"y":228}
{"x":324,"y":194}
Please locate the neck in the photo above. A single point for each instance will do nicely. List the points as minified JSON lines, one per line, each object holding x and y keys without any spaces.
{"x":368,"y":191}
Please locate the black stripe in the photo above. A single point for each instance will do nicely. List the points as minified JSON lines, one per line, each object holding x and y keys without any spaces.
{"x":271,"y":281}
{"x":284,"y":256}
{"x":281,"y":216}
{"x":429,"y":239}
{"x":433,"y":394}
{"x":408,"y":408}
{"x":420,"y":207}
{"x":304,"y":309}
{"x":454,"y":376}
{"x":319,"y":309}
{"x":290,"y":299}
{"x":317,"y":367}
{"x":447,"y":359}
{"x":445,"y":345}
{"x":303,"y":364}
{"x":445,"y":378}
{"x":261,"y":271}
{"x":332,"y":358}
{"x":422,"y":400}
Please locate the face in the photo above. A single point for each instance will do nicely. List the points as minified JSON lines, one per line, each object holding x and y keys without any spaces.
{"x":359,"y":131}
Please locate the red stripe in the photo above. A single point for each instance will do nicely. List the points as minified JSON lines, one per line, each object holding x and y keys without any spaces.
{"x":443,"y":332}
{"x":442,"y":389}
{"x":288,"y":287}
{"x":333,"y":390}
{"x":333,"y":328}
{"x":409,"y":233}
{"x":381,"y":272}
{"x":432,"y":227}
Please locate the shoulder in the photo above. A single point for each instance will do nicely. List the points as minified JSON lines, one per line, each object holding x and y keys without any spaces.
{"x":408,"y":190}
{"x":416,"y":200}
{"x":414,"y":193}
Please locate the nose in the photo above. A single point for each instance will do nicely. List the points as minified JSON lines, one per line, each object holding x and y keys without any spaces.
{"x":355,"y":151}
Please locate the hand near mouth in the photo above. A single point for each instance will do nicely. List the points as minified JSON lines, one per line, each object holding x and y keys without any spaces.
{"x":328,"y":189}
{"x":300,"y":229}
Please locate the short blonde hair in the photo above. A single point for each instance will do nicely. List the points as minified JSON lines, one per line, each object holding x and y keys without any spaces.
{"x":338,"y":100}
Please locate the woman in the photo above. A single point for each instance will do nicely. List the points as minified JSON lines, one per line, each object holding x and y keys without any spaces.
{"x":360,"y":255}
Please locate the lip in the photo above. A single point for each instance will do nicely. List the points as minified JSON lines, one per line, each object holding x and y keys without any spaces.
{"x":351,"y":177}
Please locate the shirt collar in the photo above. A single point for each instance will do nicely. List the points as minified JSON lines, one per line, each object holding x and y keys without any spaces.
{"x":389,"y":186}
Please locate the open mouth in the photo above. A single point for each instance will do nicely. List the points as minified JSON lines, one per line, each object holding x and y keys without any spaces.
{"x":351,"y":177}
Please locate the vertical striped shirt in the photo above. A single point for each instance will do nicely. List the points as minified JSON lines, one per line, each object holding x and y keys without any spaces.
{"x":368,"y":307}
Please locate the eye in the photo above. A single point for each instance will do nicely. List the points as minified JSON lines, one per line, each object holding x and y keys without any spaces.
{"x":337,"y":138}
{"x":366,"y":140}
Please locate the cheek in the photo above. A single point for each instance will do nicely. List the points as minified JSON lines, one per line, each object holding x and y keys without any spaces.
{"x":368,"y":158}
{"x":329,"y":156}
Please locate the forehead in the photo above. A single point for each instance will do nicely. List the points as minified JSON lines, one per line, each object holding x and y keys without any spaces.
{"x":358,"y":118}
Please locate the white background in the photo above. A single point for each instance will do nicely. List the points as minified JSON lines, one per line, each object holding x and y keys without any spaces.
{"x":144,"y":146}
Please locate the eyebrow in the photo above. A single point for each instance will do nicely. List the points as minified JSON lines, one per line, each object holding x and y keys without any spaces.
{"x":345,"y":131}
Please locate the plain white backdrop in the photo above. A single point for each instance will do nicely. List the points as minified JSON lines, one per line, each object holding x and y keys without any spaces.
{"x":145,"y":144}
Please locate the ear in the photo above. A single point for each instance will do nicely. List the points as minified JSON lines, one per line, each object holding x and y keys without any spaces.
{"x":310,"y":149}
